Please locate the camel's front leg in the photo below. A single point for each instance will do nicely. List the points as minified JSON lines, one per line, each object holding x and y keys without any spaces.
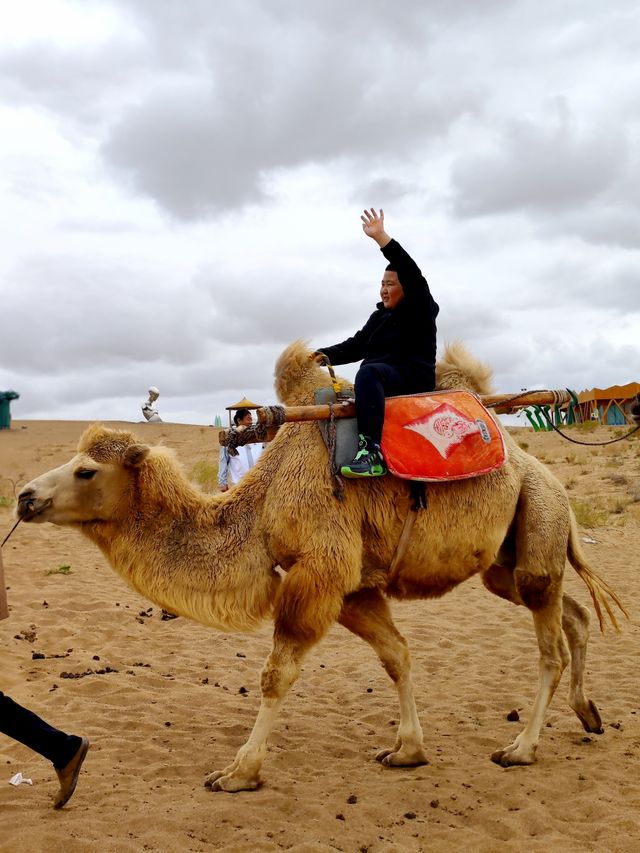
{"x":309,"y":602}
{"x":366,"y":613}
{"x":243,"y":774}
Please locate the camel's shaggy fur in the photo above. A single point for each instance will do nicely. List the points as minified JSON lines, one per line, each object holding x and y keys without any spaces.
{"x":214,"y":559}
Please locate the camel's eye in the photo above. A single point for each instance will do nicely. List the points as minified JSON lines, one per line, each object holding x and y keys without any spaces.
{"x":86,"y":473}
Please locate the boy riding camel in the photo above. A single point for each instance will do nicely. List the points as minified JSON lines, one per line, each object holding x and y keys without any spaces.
{"x":397,"y":346}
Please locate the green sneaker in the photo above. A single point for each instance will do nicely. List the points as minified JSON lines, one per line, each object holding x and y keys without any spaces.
{"x":368,"y":461}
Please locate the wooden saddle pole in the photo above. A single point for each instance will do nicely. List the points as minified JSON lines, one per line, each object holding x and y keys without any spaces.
{"x":272,"y":417}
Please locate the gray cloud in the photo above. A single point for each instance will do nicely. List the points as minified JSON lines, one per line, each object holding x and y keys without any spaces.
{"x":607,"y":285}
{"x":197,"y":151}
{"x":538,"y":168}
{"x":290,"y":305}
{"x":66,"y":309}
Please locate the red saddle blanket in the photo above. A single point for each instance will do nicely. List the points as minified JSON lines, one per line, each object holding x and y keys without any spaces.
{"x":443,"y":435}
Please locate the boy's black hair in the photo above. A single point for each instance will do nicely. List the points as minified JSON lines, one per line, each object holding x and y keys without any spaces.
{"x":391,"y":268}
{"x":239,"y":415}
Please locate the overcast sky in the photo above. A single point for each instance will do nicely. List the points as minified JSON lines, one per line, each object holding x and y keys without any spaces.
{"x":182,"y":182}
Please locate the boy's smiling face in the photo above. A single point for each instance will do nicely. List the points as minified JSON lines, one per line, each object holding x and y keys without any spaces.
{"x":391,"y":291}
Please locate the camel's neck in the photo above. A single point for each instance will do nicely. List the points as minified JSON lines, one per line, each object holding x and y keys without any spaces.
{"x":198,"y":556}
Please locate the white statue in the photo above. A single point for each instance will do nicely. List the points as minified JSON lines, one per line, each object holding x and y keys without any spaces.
{"x":149,"y":409}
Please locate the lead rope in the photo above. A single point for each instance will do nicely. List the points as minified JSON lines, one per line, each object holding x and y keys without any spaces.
{"x":10,"y":532}
{"x":589,"y":443}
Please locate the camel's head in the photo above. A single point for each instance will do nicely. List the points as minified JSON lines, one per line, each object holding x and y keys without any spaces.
{"x":92,"y":486}
{"x":634,"y":411}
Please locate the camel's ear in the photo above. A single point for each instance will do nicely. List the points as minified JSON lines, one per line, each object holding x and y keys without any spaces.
{"x":135,"y":455}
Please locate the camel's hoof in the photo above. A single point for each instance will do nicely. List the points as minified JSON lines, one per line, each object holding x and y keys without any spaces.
{"x":593,"y":723}
{"x":393,"y":758}
{"x":231,"y":784}
{"x":512,"y":758}
{"x":213,"y":777}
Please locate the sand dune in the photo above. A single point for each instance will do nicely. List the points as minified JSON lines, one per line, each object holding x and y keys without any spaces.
{"x":166,"y":701}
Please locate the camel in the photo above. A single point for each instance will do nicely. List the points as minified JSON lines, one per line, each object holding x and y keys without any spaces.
{"x":215,"y":559}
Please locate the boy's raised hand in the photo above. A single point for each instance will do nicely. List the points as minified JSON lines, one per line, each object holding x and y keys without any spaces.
{"x":373,"y":226}
{"x":372,"y":222}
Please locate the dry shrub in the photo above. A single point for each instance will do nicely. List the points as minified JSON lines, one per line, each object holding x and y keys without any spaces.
{"x":205,"y":474}
{"x":618,"y":506}
{"x":586,"y":426}
{"x":634,"y":512}
{"x":617,"y":479}
{"x":588,"y":516}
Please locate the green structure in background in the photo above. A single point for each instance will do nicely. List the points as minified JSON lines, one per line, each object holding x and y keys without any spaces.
{"x":535,"y":416}
{"x":217,"y":421}
{"x":5,"y":412}
{"x":541,"y":418}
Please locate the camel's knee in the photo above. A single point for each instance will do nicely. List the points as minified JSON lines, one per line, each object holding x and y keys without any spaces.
{"x":276,"y":680}
{"x":281,"y":669}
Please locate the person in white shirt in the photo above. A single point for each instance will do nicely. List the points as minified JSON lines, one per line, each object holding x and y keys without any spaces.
{"x":232,"y":468}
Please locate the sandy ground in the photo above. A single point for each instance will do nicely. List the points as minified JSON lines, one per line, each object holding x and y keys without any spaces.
{"x":165,"y":702}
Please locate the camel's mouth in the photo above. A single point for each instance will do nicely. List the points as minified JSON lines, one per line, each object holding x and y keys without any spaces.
{"x":30,"y":508}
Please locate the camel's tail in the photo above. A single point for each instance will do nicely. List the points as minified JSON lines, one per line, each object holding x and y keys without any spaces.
{"x":598,"y":588}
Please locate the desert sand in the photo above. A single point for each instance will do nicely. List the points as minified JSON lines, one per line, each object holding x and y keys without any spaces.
{"x":164,"y":702}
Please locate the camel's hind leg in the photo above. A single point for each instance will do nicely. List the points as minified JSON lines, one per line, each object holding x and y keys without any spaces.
{"x":575,"y":624}
{"x":554,"y":657}
{"x":366,"y":613}
{"x":309,"y":602}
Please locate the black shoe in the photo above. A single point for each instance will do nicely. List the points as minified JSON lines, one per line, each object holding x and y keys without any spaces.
{"x":368,"y":461}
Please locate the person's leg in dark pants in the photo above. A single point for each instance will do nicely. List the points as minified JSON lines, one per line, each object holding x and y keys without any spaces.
{"x":23,"y":725}
{"x":65,"y":752}
{"x":373,"y":383}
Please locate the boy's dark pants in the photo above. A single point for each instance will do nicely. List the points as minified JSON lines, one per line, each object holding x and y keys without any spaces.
{"x":376,"y":380}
